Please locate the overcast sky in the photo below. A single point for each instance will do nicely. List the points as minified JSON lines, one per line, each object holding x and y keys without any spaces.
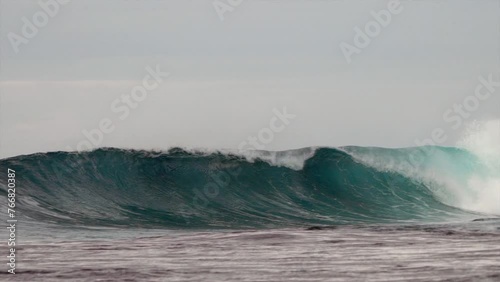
{"x":226,"y":77}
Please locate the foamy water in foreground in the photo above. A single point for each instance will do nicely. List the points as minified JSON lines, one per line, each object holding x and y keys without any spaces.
{"x":362,"y":253}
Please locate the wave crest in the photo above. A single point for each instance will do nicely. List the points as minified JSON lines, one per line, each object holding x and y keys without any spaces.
{"x":180,"y":189}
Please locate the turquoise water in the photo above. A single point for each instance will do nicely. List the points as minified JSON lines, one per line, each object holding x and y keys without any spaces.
{"x":193,"y":190}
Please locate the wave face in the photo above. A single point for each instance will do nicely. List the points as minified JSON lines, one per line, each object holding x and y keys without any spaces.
{"x":180,"y":189}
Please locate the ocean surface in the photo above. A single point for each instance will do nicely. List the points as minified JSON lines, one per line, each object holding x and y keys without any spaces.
{"x":312,"y":214}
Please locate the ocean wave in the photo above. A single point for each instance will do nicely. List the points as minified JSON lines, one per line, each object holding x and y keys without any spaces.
{"x":310,"y":186}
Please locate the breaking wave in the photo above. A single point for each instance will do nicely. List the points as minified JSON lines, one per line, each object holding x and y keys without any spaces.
{"x":310,"y":186}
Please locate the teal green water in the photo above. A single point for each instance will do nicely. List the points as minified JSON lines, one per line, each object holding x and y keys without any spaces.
{"x":180,"y":190}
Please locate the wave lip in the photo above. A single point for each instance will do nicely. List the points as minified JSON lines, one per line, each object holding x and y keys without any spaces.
{"x":310,"y":186}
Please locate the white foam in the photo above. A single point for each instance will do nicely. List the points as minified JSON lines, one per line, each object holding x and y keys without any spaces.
{"x":482,"y":138}
{"x":294,"y":159}
{"x":476,"y":188}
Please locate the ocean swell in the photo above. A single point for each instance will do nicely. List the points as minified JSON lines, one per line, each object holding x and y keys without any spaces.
{"x":181,"y":189}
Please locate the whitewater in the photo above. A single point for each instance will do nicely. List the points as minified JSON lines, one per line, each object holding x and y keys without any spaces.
{"x":330,"y":214}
